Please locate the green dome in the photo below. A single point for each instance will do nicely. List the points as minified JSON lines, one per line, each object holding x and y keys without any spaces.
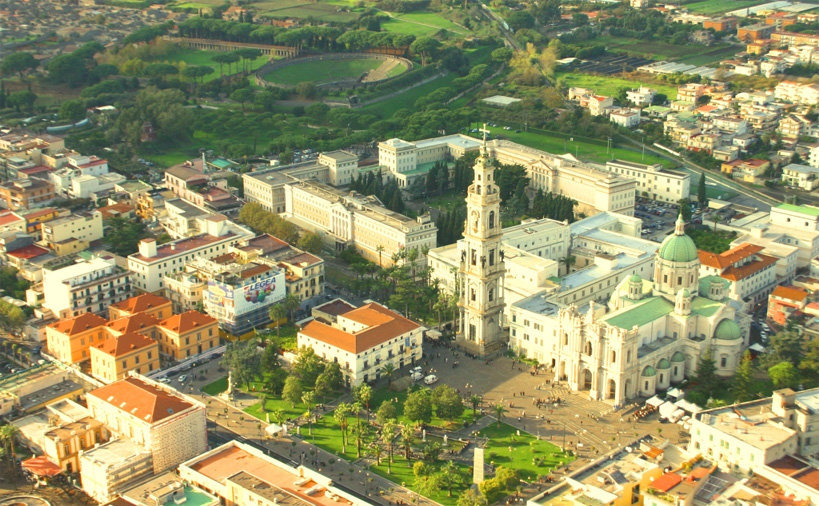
{"x":686,"y":293}
{"x":635,"y":278}
{"x":678,"y":248}
{"x":649,"y":371}
{"x":727,"y":330}
{"x":663,"y":364}
{"x":678,"y":357}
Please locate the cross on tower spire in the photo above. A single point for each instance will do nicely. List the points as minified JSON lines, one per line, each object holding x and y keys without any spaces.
{"x":485,"y":131}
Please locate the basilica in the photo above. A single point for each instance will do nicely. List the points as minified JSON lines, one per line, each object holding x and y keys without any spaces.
{"x":650,"y":334}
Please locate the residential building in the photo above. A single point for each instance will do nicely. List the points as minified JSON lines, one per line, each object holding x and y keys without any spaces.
{"x":11,"y":222}
{"x":726,"y":24}
{"x":784,"y":301}
{"x":405,"y":161}
{"x":28,"y":193}
{"x":112,"y":359}
{"x":803,"y":177}
{"x":782,"y":38}
{"x":187,"y":334}
{"x":798,"y":93}
{"x":649,"y":336}
{"x":241,"y":474}
{"x":86,"y":286}
{"x":148,"y":303}
{"x":750,"y":33}
{"x":653,"y":181}
{"x":83,"y":187}
{"x":140,"y":323}
{"x":85,"y":228}
{"x":751,"y":273}
{"x":119,"y":210}
{"x":113,"y":467}
{"x":794,"y":126}
{"x":599,"y":105}
{"x":641,"y":97}
{"x":800,"y":224}
{"x":689,"y":93}
{"x":362,"y":340}
{"x":77,"y":166}
{"x":813,"y":157}
{"x":165,"y":422}
{"x":68,"y":340}
{"x":745,"y":437}
{"x":625,"y":117}
{"x":358,"y":221}
{"x":751,"y":170}
{"x":152,"y":262}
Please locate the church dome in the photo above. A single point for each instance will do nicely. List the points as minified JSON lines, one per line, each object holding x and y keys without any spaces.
{"x":678,"y":247}
{"x":649,"y":371}
{"x":678,"y":357}
{"x":635,"y":278}
{"x":663,"y":364}
{"x":727,"y":330}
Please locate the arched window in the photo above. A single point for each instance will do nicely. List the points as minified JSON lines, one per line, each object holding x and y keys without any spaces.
{"x":588,"y":349}
{"x":472,"y":294}
{"x":613,"y":357}
{"x":565,"y":339}
{"x":491,"y":219}
{"x":491,"y":294}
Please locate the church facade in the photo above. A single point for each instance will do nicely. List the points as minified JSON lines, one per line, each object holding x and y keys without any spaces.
{"x":651,"y":335}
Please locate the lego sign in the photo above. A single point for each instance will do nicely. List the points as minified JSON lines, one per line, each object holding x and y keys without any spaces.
{"x":239,"y":300}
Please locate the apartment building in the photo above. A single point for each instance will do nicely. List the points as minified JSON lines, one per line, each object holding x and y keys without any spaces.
{"x":304,"y":275}
{"x":86,"y":228}
{"x":749,"y":170}
{"x":88,"y":286}
{"x":11,"y":222}
{"x":151,"y":263}
{"x":28,"y":193}
{"x":68,"y":340}
{"x":751,"y":33}
{"x":358,"y":221}
{"x":804,"y":177}
{"x":113,"y":467}
{"x":653,"y":181}
{"x":794,"y":126}
{"x":187,"y":334}
{"x":784,"y":301}
{"x":625,"y":116}
{"x":782,"y":38}
{"x":642,"y":96}
{"x":165,"y":422}
{"x":797,"y":93}
{"x":751,"y":273}
{"x":362,"y":340}
{"x":112,"y":359}
{"x":147,"y":303}
{"x":689,"y":93}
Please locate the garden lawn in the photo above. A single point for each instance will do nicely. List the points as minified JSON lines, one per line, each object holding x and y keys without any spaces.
{"x":610,"y":86}
{"x":217,"y":387}
{"x":273,"y":403}
{"x":707,"y":240}
{"x":525,"y":448}
{"x":421,"y":24}
{"x":196,"y":57}
{"x":384,"y":394}
{"x":321,"y":71}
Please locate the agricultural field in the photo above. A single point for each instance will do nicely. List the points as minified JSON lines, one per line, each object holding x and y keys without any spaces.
{"x":654,"y":49}
{"x":610,"y":86}
{"x":712,"y":55}
{"x":422,"y":24}
{"x":718,"y":6}
{"x":326,"y":12}
{"x":196,"y":4}
{"x":325,"y":71}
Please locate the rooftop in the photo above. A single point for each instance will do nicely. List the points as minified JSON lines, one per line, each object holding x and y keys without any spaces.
{"x":134,"y":323}
{"x":809,"y":210}
{"x":142,"y":400}
{"x":798,"y":470}
{"x":749,"y":269}
{"x":118,"y":453}
{"x":141,"y":303}
{"x":640,"y":314}
{"x":189,"y":320}
{"x":78,"y":324}
{"x":11,"y":382}
{"x":790,"y":293}
{"x":183,"y":246}
{"x":125,"y":344}
{"x":752,"y":423}
{"x":727,"y":258}
{"x":167,"y":489}
{"x":28,"y":252}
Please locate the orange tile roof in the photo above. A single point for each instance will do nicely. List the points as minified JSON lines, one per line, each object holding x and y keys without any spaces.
{"x":790,"y":293}
{"x":382,"y":325}
{"x":141,"y":303}
{"x":125,"y":344}
{"x":82,"y":323}
{"x":189,"y":320}
{"x":666,"y":482}
{"x":143,"y":400}
{"x":133,"y":323}
{"x":749,"y":269}
{"x":727,"y":258}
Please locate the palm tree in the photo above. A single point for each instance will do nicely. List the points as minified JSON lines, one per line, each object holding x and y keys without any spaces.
{"x":407,"y":435}
{"x":388,"y":434}
{"x":278,"y":416}
{"x":309,"y":399}
{"x":357,"y":409}
{"x":376,"y":450}
{"x":388,"y":370}
{"x":363,"y":394}
{"x":475,"y":400}
{"x":277,"y":313}
{"x":717,"y":218}
{"x":341,"y":413}
{"x":568,"y":261}
{"x":380,"y":250}
{"x":8,"y":433}
{"x":452,"y":476}
{"x":291,"y":303}
{"x":499,"y":411}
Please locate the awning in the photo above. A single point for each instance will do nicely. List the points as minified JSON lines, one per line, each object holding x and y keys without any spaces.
{"x":274,"y":429}
{"x":757,"y":348}
{"x":41,"y":466}
{"x":666,"y":409}
{"x":676,"y":393}
{"x":688,"y":407}
{"x":654,"y":401}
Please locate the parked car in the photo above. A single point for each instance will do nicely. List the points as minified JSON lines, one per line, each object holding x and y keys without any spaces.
{"x":416,"y":376}
{"x":164,"y":379}
{"x":183,"y":378}
{"x":430,"y":379}
{"x":417,"y":368}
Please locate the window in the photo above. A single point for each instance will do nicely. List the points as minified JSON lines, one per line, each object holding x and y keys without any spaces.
{"x":491,"y":257}
{"x":491,"y":294}
{"x":723,"y":361}
{"x":491,"y":219}
{"x":472,"y":294}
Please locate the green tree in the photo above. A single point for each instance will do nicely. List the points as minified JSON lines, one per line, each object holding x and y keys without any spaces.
{"x":243,"y":361}
{"x":809,"y":365}
{"x":784,"y":375}
{"x":452,"y":476}
{"x":308,"y":366}
{"x":22,"y":100}
{"x":270,"y":356}
{"x":407,"y":437}
{"x":471,"y":498}
{"x":8,"y":434}
{"x":309,"y":400}
{"x":743,"y":379}
{"x":311,"y":242}
{"x":358,"y":433}
{"x":706,"y":378}
{"x":499,"y":410}
{"x":475,"y":402}
{"x":122,"y":236}
{"x":292,"y":391}
{"x":329,"y":380}
{"x":363,"y":394}
{"x":568,"y":261}
{"x":19,"y":62}
{"x":72,"y":110}
{"x":291,"y":303}
{"x":685,"y":209}
{"x":418,"y":406}
{"x":277,"y":313}
{"x":701,"y":194}
{"x":386,"y":411}
{"x":11,"y":317}
{"x":389,"y":433}
{"x":242,"y":95}
{"x":387,"y":371}
{"x":341,"y":416}
{"x":448,"y":404}
{"x":784,"y":346}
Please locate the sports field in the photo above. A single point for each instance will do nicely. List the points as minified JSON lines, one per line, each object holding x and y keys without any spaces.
{"x":717,"y":6}
{"x":421,"y":24}
{"x":610,"y":86}
{"x":326,"y":71}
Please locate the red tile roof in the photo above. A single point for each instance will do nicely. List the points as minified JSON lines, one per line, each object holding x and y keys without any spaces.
{"x":143,"y":400}
{"x":182,"y":246}
{"x":749,"y":269}
{"x":189,"y":320}
{"x":125,"y":344}
{"x":115,"y":210}
{"x":38,"y":169}
{"x":28,"y":252}
{"x":81,"y":323}
{"x":141,"y":303}
{"x":134,"y":323}
{"x":666,"y":482}
{"x":790,"y":293}
{"x":732,"y":256}
{"x":382,"y":325}
{"x":9,"y":217}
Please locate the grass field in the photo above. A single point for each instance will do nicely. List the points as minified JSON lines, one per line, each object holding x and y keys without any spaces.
{"x":610,"y":86}
{"x":711,"y":55}
{"x":217,"y":387}
{"x":196,"y":57}
{"x":654,"y":49}
{"x":421,"y":24}
{"x":587,"y":149}
{"x":320,"y":11}
{"x":321,"y":71}
{"x":530,"y":456}
{"x":717,"y":6}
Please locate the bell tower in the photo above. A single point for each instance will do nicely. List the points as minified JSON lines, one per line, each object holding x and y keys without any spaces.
{"x":481,"y":269}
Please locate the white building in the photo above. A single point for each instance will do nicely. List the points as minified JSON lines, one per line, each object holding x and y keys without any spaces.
{"x":642,"y":96}
{"x":113,"y":467}
{"x":804,"y":177}
{"x":653,"y":181}
{"x":814,"y":156}
{"x":77,"y":166}
{"x":86,"y":228}
{"x":86,"y":186}
{"x":405,"y":161}
{"x":350,"y":219}
{"x":798,"y":93}
{"x":625,"y":116}
{"x":752,"y":274}
{"x":362,"y":340}
{"x":151,"y":263}
{"x":11,"y":222}
{"x":787,"y":226}
{"x":86,"y":286}
{"x":342,"y":166}
{"x":744,"y":437}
